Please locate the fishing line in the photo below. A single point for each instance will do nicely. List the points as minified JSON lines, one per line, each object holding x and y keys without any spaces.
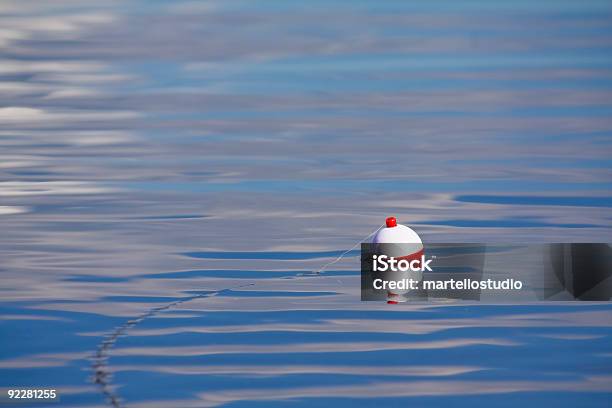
{"x":101,"y":372}
{"x":342,"y":255}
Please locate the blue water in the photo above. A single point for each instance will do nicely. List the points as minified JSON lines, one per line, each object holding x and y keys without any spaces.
{"x":172,"y":173}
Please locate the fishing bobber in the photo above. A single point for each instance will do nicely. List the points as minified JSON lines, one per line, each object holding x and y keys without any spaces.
{"x":400,"y":242}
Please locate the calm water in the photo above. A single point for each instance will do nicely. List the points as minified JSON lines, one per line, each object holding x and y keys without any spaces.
{"x":171,"y":173}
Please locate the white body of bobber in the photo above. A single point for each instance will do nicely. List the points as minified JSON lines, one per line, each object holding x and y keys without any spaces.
{"x":400,"y":242}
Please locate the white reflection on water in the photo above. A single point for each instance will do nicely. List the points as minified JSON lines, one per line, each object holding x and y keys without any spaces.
{"x":407,"y":389}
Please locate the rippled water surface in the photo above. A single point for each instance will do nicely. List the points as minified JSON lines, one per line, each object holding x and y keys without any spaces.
{"x":171,"y":174}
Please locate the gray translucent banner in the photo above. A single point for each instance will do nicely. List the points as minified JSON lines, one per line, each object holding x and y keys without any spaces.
{"x":481,"y":272}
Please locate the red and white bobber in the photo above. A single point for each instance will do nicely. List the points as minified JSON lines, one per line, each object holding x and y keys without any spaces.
{"x":400,"y":242}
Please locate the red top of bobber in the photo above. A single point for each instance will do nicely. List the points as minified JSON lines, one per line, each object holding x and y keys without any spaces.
{"x":391,"y":222}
